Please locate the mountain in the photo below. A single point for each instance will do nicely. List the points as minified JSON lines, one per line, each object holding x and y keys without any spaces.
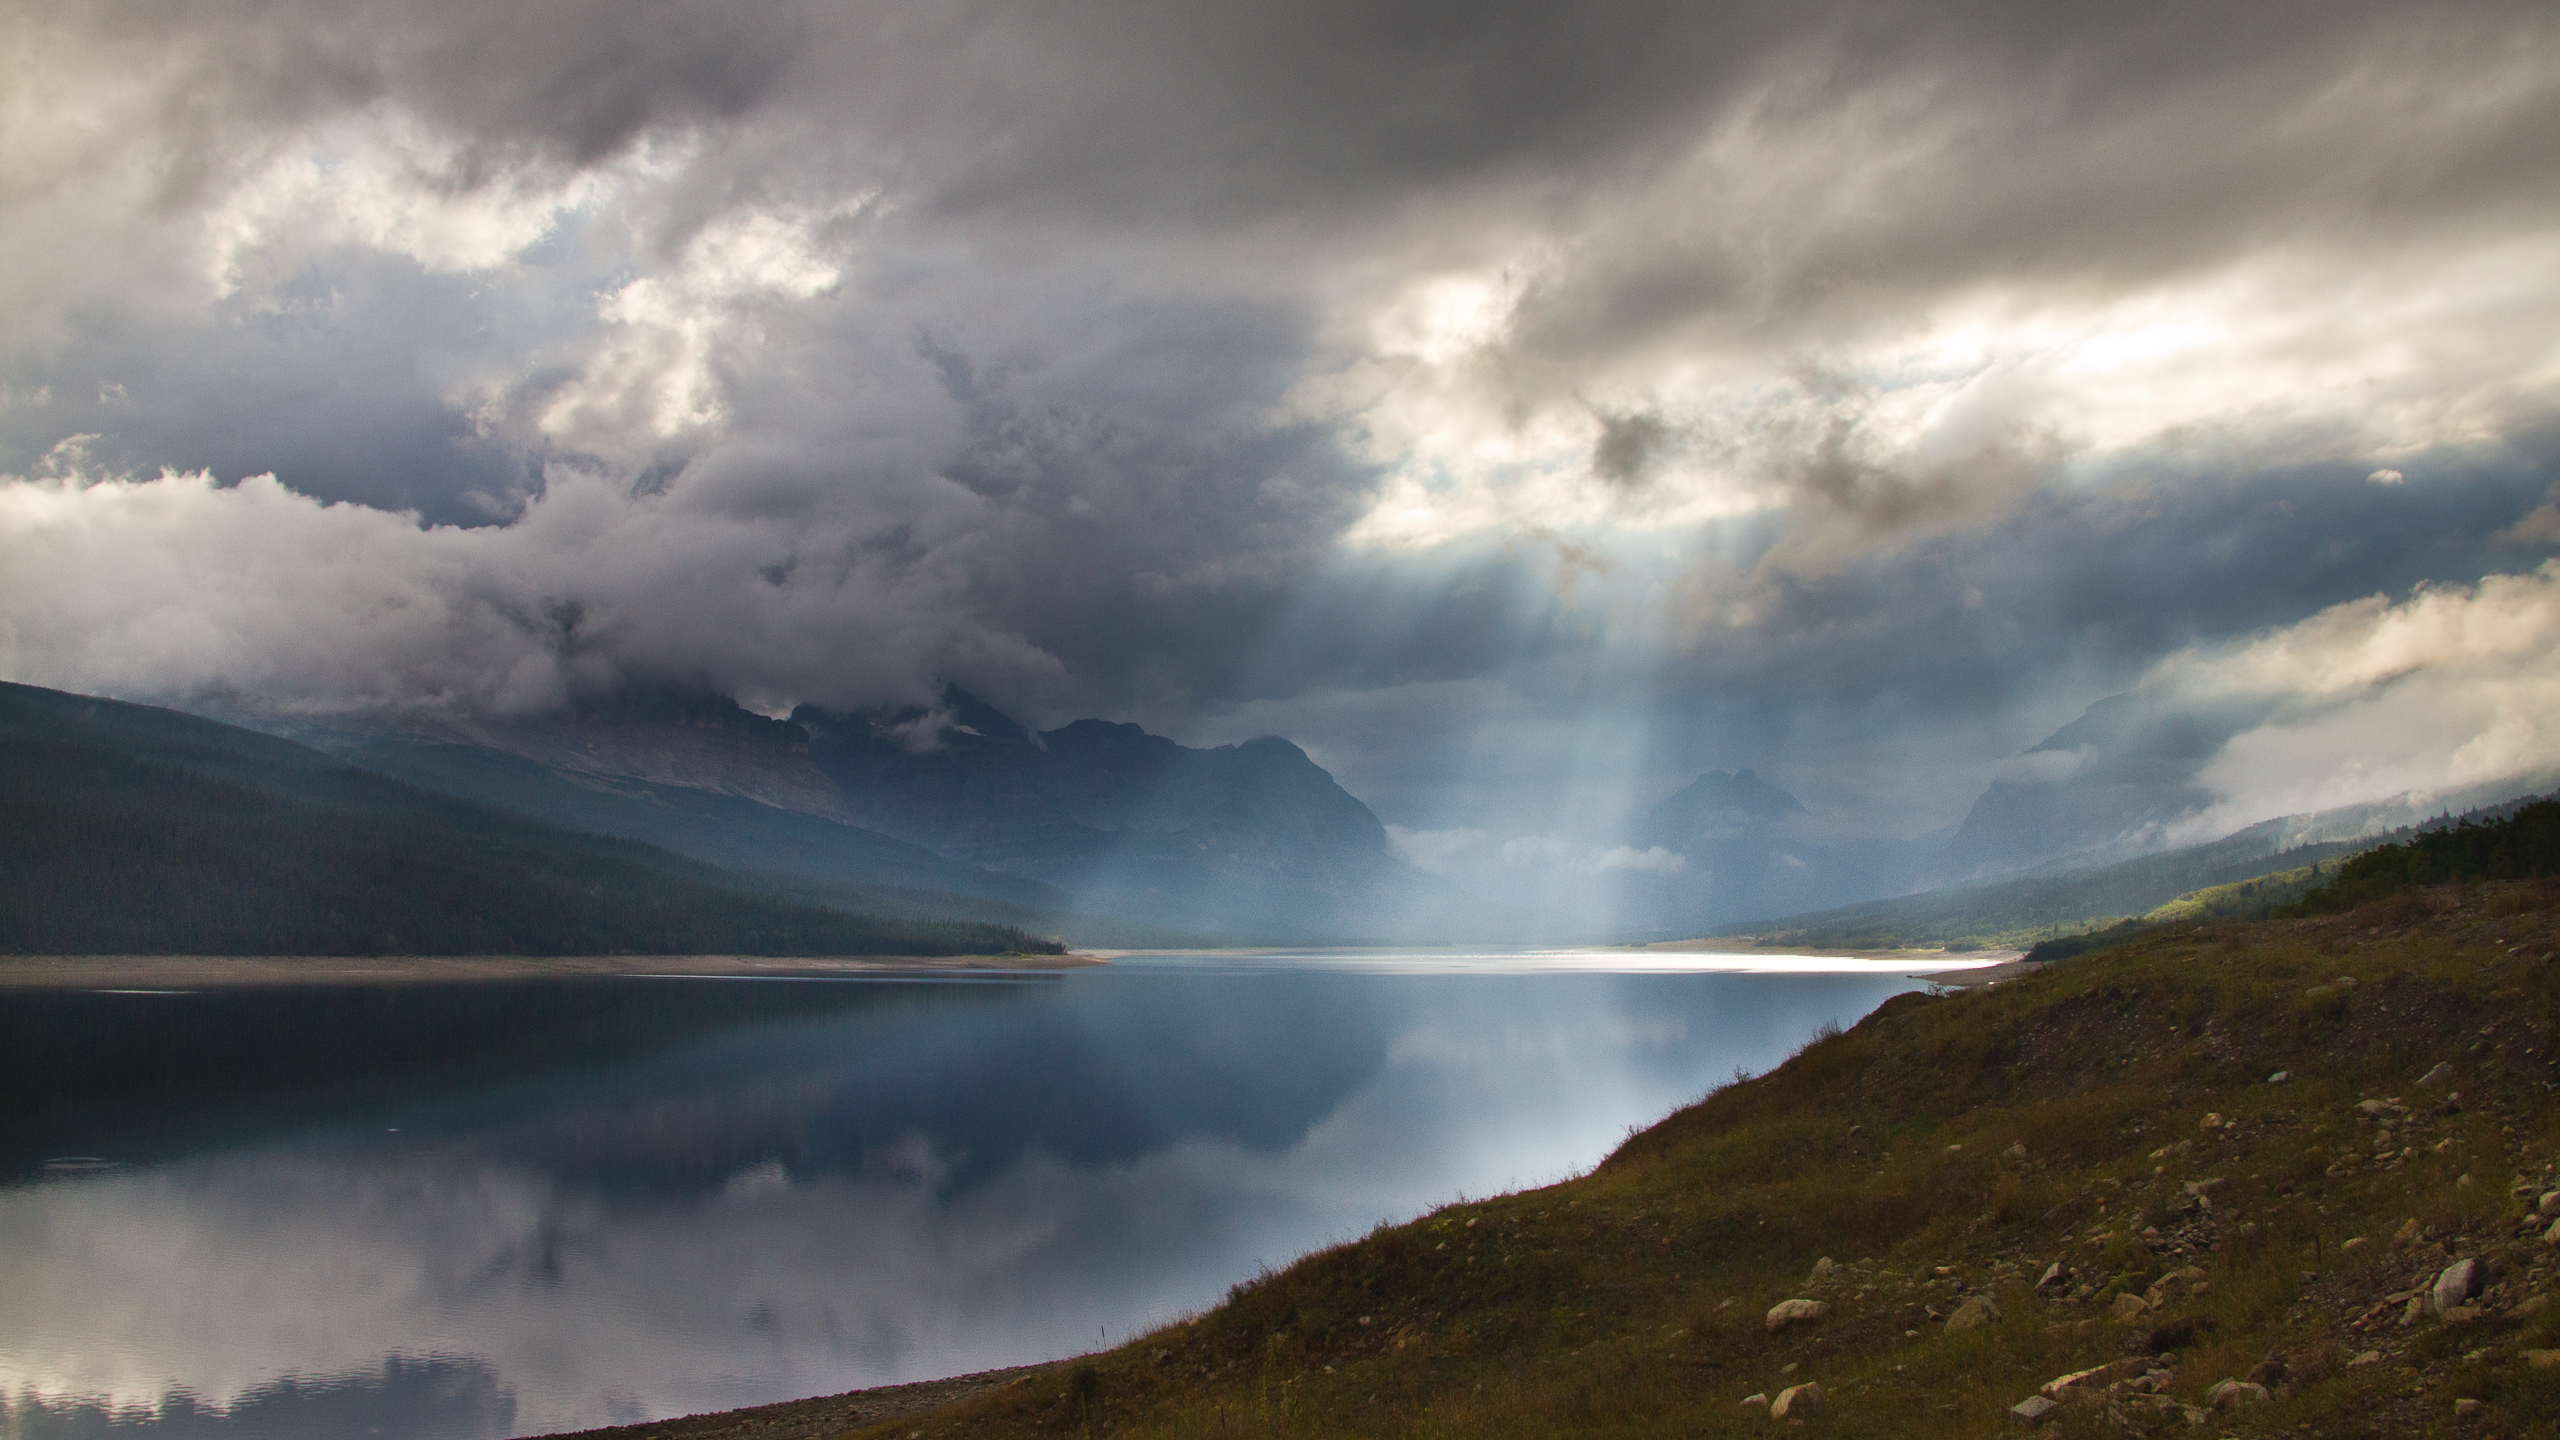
{"x":129,"y":829}
{"x":2023,"y":910}
{"x":785,"y":849}
{"x":1745,"y":847}
{"x":1097,"y":830}
{"x":1249,"y":838}
{"x":2131,"y":790}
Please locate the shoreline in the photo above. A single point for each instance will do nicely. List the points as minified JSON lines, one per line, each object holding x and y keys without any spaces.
{"x":819,"y":1415}
{"x":1745,"y":945}
{"x":210,"y":972}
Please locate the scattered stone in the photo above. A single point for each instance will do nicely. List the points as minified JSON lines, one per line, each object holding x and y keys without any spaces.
{"x":2060,"y":1383}
{"x":2374,"y":1357}
{"x":1976,"y":1312}
{"x":2033,"y":1409}
{"x":2052,"y":1276}
{"x":2280,"y":1077}
{"x":2015,"y":1154}
{"x":1823,"y":1269}
{"x":2438,"y":1076}
{"x":1804,"y":1399}
{"x":2211,"y":1121}
{"x":2230,"y":1394}
{"x":2456,"y":1283}
{"x":2353,"y":1244}
{"x":2465,"y":1409}
{"x":2270,"y":1371}
{"x":2128,"y":1308}
{"x":2542,"y":1359}
{"x":1759,"y":1400}
{"x":2552,"y":1235}
{"x":2202,"y":1188}
{"x":2463,"y":1314}
{"x":2407,"y":1232}
{"x":1794,"y":1312}
{"x":2529,"y":1307}
{"x":2550,"y":1202}
{"x":2345,"y":982}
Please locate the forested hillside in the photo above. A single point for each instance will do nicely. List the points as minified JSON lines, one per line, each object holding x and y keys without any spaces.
{"x":125,"y":829}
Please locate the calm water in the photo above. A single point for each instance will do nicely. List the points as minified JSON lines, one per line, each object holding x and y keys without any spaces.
{"x":504,"y":1209}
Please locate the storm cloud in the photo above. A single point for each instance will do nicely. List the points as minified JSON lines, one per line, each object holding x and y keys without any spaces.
{"x":1524,"y":407}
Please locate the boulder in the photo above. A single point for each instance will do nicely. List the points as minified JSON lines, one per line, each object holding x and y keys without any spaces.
{"x":2033,"y":1409}
{"x":2456,"y":1283}
{"x":1976,"y":1312}
{"x":2442,"y":1074}
{"x":1804,"y":1399}
{"x":2060,"y":1383}
{"x":1823,"y":1269}
{"x":2231,"y":1394}
{"x":2052,"y":1276}
{"x":2128,"y":1308}
{"x":1796,"y":1312}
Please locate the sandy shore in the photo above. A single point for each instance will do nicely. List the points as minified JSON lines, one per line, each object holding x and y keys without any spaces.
{"x":199,"y":972}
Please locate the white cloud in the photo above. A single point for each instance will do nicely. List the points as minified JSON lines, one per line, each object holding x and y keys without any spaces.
{"x":1556,"y":852}
{"x":2450,"y":687}
{"x":1432,"y":849}
{"x":1653,"y":860}
{"x":179,"y":587}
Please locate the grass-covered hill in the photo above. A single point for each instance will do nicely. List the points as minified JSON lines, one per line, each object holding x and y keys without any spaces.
{"x":2308,"y":1157}
{"x":131,"y":830}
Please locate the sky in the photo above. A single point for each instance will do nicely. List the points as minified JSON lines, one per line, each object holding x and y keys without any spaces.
{"x":1522,"y":407}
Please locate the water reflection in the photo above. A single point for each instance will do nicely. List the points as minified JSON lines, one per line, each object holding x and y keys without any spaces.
{"x":498,"y":1209}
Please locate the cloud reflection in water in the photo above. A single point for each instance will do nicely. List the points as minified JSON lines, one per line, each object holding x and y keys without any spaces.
{"x":871,"y":1184}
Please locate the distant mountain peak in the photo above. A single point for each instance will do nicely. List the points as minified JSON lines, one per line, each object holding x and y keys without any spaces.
{"x":1721,"y":798}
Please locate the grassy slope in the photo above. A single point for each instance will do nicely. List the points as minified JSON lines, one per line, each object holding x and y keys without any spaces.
{"x":2252,"y":898}
{"x":1630,"y":1301}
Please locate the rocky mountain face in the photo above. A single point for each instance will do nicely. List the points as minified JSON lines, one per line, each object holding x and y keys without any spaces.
{"x":1240,"y":840}
{"x":1251,"y":836}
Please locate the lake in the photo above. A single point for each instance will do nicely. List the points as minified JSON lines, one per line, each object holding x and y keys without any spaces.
{"x":494,"y":1209}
